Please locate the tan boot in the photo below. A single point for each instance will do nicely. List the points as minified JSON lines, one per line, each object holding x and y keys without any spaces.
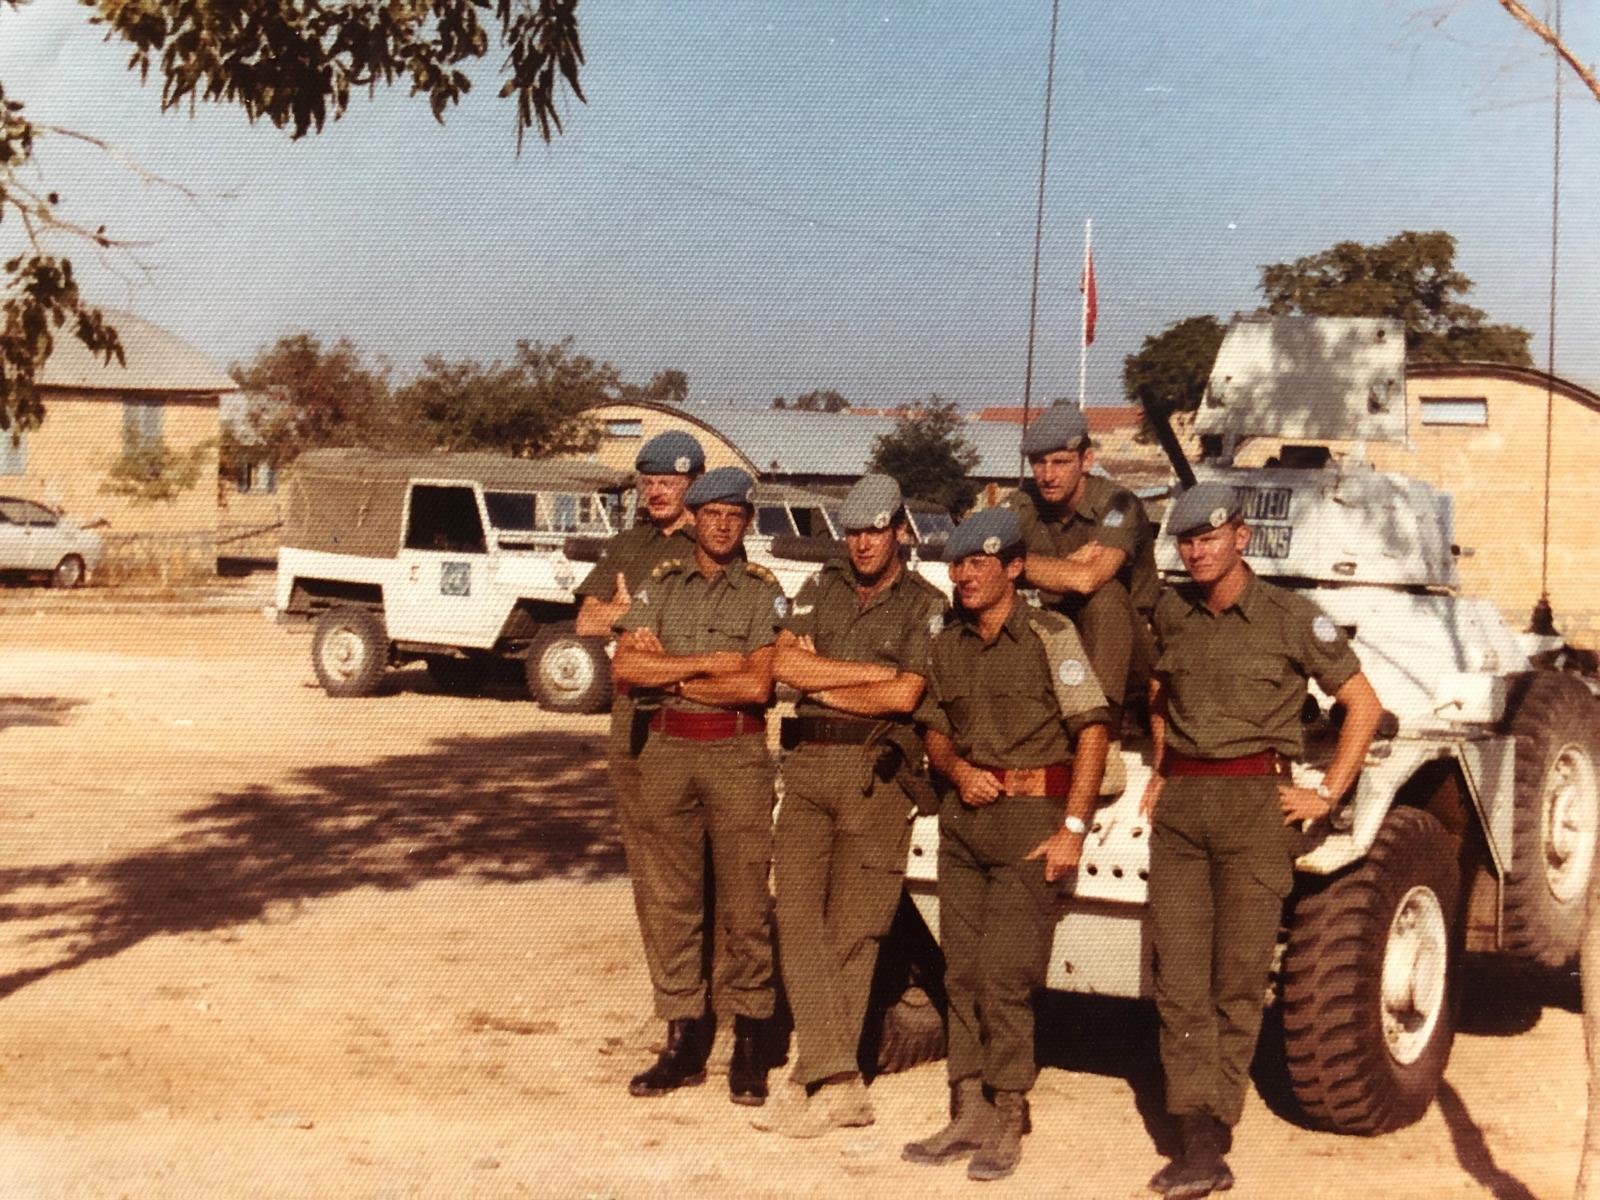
{"x":972,"y":1116}
{"x":789,"y":1103}
{"x":843,"y":1105}
{"x":1002,"y":1149}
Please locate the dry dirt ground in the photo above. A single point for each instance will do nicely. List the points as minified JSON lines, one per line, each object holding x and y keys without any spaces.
{"x":257,"y":942}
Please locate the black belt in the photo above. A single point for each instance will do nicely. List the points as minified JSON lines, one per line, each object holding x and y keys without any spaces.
{"x":836,"y":731}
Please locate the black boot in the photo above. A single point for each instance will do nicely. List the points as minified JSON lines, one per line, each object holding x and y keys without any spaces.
{"x":682,"y":1062}
{"x":747,"y":1076}
{"x":1199,"y":1168}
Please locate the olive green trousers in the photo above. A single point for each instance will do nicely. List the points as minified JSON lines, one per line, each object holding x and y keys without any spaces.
{"x":839,"y":860}
{"x":691,"y":794}
{"x":997,"y":918}
{"x":1221,"y":865}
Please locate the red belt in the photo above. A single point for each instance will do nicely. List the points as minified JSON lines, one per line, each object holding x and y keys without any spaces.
{"x":706,"y":727}
{"x":1264,"y":762}
{"x":1057,"y":777}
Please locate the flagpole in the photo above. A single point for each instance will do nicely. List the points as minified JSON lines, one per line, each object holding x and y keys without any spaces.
{"x":1083,"y":325}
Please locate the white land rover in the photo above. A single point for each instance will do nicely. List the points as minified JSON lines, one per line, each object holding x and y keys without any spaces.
{"x":455,"y":559}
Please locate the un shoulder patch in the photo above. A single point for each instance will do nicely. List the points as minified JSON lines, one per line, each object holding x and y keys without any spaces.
{"x":1324,"y":629}
{"x":1113,"y":519}
{"x":936,"y":625}
{"x":1071,"y":672}
{"x":643,"y":597}
{"x":780,"y":605}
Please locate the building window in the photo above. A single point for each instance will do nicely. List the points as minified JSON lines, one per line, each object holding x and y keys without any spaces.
{"x":625,"y":429}
{"x":143,"y":423}
{"x":256,"y":477}
{"x":13,"y":455}
{"x":1455,"y":410}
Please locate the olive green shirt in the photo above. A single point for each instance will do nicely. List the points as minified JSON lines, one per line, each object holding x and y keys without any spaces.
{"x":1018,"y":701}
{"x":633,"y":554}
{"x":893,"y":630}
{"x":737,"y":608}
{"x":1236,"y":680}
{"x":1107,"y":514}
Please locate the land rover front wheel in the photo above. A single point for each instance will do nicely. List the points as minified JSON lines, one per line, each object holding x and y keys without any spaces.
{"x":1367,"y":1003}
{"x":69,"y":572}
{"x":1556,"y":818}
{"x":350,"y":650}
{"x":568,"y":673}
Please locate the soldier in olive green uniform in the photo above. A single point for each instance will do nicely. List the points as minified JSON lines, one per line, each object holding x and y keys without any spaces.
{"x":1235,"y":654}
{"x":856,"y":647}
{"x":666,"y":465}
{"x":1016,"y":722}
{"x":700,"y":633}
{"x":1091,"y":551}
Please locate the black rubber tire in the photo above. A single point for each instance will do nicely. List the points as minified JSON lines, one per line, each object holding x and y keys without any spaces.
{"x":70,"y":572}
{"x":905,"y":1019}
{"x":568,"y":673}
{"x":1340,"y":1067}
{"x":913,"y":1033}
{"x":349,"y":651}
{"x":1556,"y":722}
{"x":458,"y":676}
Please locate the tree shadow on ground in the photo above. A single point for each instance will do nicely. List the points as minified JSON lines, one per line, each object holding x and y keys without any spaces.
{"x":509,"y":809}
{"x":17,"y":711}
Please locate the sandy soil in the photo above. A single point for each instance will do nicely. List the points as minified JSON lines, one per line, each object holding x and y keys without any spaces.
{"x":257,"y":942}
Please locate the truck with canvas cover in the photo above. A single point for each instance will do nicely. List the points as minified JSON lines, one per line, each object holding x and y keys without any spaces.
{"x":454,"y":559}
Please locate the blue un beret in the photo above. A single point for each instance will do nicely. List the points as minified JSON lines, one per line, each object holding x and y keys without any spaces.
{"x":725,"y":485}
{"x":1204,"y":507}
{"x":674,"y":452}
{"x":991,"y":531}
{"x":1062,"y":426}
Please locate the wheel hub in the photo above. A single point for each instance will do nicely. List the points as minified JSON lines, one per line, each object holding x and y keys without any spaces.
{"x":1571,"y":823}
{"x":345,"y":654}
{"x":1415,"y":970}
{"x":567,"y":668}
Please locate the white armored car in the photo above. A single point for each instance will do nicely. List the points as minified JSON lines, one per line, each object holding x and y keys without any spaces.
{"x":1473,"y":824}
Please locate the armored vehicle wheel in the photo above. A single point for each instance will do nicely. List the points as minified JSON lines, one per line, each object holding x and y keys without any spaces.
{"x":69,"y":572}
{"x":568,"y":673}
{"x":904,"y":1024}
{"x":913,"y":1033}
{"x":458,"y":674}
{"x":1556,"y":818}
{"x":350,"y":650}
{"x":1367,"y":1002}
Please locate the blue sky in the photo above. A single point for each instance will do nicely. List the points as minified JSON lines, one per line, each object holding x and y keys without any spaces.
{"x":776,"y":197}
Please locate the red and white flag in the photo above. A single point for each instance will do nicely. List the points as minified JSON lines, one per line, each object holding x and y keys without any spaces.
{"x":1090,"y":308}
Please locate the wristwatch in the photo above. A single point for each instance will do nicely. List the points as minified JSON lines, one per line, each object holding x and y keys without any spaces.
{"x":1325,"y":794}
{"x":1076,"y":825}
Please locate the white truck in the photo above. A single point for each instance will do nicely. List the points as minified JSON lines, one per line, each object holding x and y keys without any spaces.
{"x":1473,"y":826}
{"x":455,"y":559}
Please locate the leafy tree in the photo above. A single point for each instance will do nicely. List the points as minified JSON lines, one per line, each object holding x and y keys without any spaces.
{"x":151,"y":472}
{"x":292,"y":63}
{"x":814,"y":401}
{"x":312,"y":397}
{"x":532,"y":407}
{"x":670,"y":386}
{"x":927,"y":456}
{"x":1411,"y":278}
{"x":1169,"y":372}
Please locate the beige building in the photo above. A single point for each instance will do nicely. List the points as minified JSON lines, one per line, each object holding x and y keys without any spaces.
{"x":1478,"y":431}
{"x":94,"y":414}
